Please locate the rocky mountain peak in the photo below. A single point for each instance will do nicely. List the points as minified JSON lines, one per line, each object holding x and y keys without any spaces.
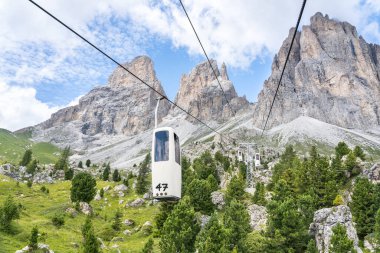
{"x":141,"y":66}
{"x":201,"y":94}
{"x":332,"y":75}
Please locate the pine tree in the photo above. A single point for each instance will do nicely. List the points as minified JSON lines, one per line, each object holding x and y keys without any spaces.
{"x":205,"y":165}
{"x":180,"y":229}
{"x":80,"y":165}
{"x":8,"y":212}
{"x":101,"y":192}
{"x":116,"y":176}
{"x":212,"y":238}
{"x":312,"y":247}
{"x":148,"y":247}
{"x":31,"y":167}
{"x":243,"y":170}
{"x":165,"y":208}
{"x":90,"y":242}
{"x":63,"y":161}
{"x":83,"y":187}
{"x":376,"y":229}
{"x":259,"y":195}
{"x":200,"y":196}
{"x":69,"y":174}
{"x":364,"y":206}
{"x":106,"y":172}
{"x":213,"y":183}
{"x":340,"y":243}
{"x":350,"y":162}
{"x":236,"y":222}
{"x":33,"y":240}
{"x":235,"y":189}
{"x":27,"y":157}
{"x":341,"y":149}
{"x":88,"y":163}
{"x":116,"y":225}
{"x":141,"y":177}
{"x":358,"y":151}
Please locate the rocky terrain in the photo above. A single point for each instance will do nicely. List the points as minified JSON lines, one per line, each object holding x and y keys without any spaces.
{"x":332,"y":75}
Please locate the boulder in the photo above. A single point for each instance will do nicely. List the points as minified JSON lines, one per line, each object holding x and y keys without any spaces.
{"x":258,"y":217}
{"x":128,"y":222}
{"x":127,"y":232}
{"x":85,"y":208}
{"x":147,"y":195}
{"x":204,"y":219}
{"x":97,"y":196}
{"x":323,"y":222}
{"x":217,"y":199}
{"x":136,"y":203}
{"x":121,"y":201}
{"x":373,"y":173}
{"x":71,"y":211}
{"x":106,"y":188}
{"x":120,"y":188}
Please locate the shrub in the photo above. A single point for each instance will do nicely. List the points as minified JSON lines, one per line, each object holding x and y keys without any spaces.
{"x":83,"y":187}
{"x":58,"y":220}
{"x":338,"y":200}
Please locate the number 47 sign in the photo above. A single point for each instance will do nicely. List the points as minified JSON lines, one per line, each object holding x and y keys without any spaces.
{"x":163,"y":186}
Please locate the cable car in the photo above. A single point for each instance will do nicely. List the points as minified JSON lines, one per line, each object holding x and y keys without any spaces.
{"x":240,"y":156}
{"x":166,"y":163}
{"x":257,"y":160}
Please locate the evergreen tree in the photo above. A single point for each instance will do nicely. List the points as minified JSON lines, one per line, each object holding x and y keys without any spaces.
{"x":106,"y":172}
{"x":340,"y":243}
{"x":376,"y":229}
{"x":69,"y":174}
{"x":116,"y":176}
{"x":200,"y":196}
{"x":212,"y":238}
{"x":116,"y":225}
{"x":83,"y":187}
{"x":341,"y":149}
{"x":33,"y":240}
{"x":243,"y":170}
{"x":358,"y":151}
{"x":235,"y":189}
{"x":259,"y":195}
{"x":141,"y":177}
{"x":148,"y":247}
{"x":8,"y":212}
{"x":80,"y":165}
{"x":312,"y":247}
{"x":26,"y":158}
{"x":180,"y":229}
{"x":88,"y":163}
{"x":31,"y":167}
{"x":90,"y":242}
{"x":187,"y":174}
{"x":213,"y":183}
{"x":63,"y":161}
{"x":101,"y":193}
{"x":205,"y":166}
{"x":364,"y":206}
{"x":351,"y":163}
{"x":236,"y":222}
{"x":165,"y":208}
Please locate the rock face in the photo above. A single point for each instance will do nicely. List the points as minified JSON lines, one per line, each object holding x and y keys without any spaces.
{"x":125,"y":106}
{"x":217,"y":199}
{"x":373,"y":173}
{"x":325,"y":219}
{"x":201,"y":95}
{"x":333,"y":75}
{"x":259,"y":216}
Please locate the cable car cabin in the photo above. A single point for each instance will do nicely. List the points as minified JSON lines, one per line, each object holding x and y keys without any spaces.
{"x":166,"y":164}
{"x":240,"y":156}
{"x":257,"y":160}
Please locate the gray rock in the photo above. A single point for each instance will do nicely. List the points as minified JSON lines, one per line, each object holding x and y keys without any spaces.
{"x":85,"y":208}
{"x":331,"y":71}
{"x":147,"y":195}
{"x":204,"y":219}
{"x":71,"y":211}
{"x":121,"y":201}
{"x":120,"y":188}
{"x":106,"y":188}
{"x":136,"y":203}
{"x":127,"y":232}
{"x":373,"y":174}
{"x":217,"y":199}
{"x":128,"y":222}
{"x":258,"y":215}
{"x":120,"y":194}
{"x":117,"y":239}
{"x":323,"y":222}
{"x":97,"y":196}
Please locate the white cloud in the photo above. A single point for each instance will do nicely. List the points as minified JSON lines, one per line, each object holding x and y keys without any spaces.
{"x":19,"y":107}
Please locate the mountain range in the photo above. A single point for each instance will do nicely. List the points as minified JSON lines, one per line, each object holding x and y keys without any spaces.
{"x":330,"y":92}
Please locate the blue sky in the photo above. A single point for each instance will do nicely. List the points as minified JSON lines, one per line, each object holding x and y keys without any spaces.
{"x":45,"y":67}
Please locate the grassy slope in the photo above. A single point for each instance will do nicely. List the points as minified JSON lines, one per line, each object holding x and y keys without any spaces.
{"x":40,"y":207}
{"x":13,"y":146}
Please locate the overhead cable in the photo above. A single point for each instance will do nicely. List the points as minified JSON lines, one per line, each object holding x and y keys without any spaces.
{"x":121,"y":66}
{"x":208,"y":59}
{"x":286,"y":61}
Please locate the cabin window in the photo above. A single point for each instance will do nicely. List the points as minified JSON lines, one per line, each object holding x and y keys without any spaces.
{"x":257,"y":157}
{"x":161,"y":146}
{"x":177,"y":149}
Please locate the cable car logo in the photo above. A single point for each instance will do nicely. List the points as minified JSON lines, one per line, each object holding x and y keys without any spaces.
{"x":164,"y":186}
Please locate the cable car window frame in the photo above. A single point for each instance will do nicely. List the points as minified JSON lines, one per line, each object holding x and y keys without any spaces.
{"x":161,"y":143}
{"x":177,"y":149}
